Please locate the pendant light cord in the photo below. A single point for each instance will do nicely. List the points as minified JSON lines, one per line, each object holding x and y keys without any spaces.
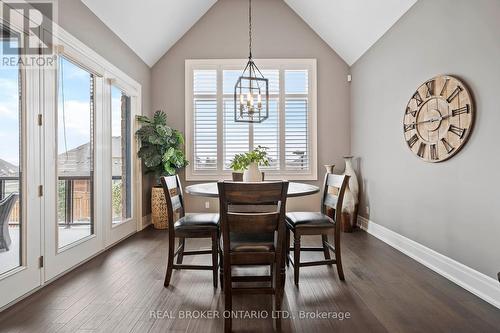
{"x":250,"y":27}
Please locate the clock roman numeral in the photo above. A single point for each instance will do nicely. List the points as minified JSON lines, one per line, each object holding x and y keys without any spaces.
{"x":410,"y":127}
{"x":457,"y":131}
{"x":421,"y":149}
{"x":445,"y":85}
{"x":434,"y":152}
{"x":416,"y":96}
{"x":449,"y":148}
{"x":410,"y":111}
{"x":461,"y":110}
{"x":454,"y":94}
{"x":412,"y":140}
{"x":430,"y":88}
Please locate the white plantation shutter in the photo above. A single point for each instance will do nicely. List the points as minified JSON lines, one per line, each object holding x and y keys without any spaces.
{"x":297,"y":155}
{"x":214,"y":137}
{"x":205,"y":119}
{"x":267,"y":133}
{"x":235,"y":134}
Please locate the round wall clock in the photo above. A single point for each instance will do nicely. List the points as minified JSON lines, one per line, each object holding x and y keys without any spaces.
{"x":438,"y":118}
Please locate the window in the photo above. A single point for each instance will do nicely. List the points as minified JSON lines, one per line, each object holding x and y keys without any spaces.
{"x":289,"y":134}
{"x":75,"y":147}
{"x":121,"y":156}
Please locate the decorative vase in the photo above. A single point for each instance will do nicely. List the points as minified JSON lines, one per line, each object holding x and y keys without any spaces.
{"x":329,"y":168}
{"x":350,"y":206}
{"x":159,"y":215}
{"x":252,"y":174}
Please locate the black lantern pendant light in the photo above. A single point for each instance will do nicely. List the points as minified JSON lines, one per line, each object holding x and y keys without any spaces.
{"x":251,"y":92}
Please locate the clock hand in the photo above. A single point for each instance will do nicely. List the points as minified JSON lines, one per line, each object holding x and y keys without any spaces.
{"x":433,"y":119}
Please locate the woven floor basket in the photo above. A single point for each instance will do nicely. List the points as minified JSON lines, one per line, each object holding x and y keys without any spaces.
{"x":159,"y":216}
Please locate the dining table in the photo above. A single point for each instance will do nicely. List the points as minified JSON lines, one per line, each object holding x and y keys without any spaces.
{"x":210,"y":190}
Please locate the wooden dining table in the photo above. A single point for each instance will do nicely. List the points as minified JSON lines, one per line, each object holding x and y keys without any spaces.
{"x":210,"y":189}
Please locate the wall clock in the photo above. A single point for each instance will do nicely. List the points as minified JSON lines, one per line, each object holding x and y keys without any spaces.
{"x":438,"y":118}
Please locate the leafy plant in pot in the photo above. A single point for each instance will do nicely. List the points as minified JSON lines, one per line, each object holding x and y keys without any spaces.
{"x":162,"y":154}
{"x":248,"y":164}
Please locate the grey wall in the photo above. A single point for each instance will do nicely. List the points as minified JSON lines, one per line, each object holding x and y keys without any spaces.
{"x":278,"y":33}
{"x":450,"y":207}
{"x":79,"y":21}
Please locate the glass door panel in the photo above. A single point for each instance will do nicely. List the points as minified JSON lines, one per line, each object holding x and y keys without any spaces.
{"x":20,"y":205}
{"x":122,"y":211}
{"x":121,"y":156}
{"x":11,"y":217}
{"x":75,"y":153}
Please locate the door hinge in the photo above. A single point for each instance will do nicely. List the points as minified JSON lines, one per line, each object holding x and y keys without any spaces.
{"x":40,"y":190}
{"x":40,"y":262}
{"x":40,"y":120}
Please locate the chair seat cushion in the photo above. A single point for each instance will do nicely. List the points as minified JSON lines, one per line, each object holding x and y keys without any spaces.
{"x":252,"y":242}
{"x":197,"y":221}
{"x":309,"y":219}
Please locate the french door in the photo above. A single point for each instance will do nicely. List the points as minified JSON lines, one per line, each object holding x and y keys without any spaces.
{"x":89,"y":200}
{"x":69,"y":180}
{"x":20,"y":202}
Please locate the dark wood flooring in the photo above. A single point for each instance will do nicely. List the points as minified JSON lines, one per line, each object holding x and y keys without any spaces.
{"x":384,"y":291}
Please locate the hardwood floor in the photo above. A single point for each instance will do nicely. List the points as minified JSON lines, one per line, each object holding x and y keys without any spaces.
{"x":384,"y":291}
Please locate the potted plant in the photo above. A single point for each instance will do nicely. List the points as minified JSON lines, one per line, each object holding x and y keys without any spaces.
{"x":249,"y":163}
{"x":162,"y":154}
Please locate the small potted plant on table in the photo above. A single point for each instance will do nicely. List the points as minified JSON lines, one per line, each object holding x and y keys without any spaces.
{"x":162,"y":154}
{"x":249,"y":163}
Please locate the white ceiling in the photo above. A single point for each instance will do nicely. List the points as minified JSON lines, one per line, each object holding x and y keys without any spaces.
{"x":151,"y":27}
{"x":350,"y":27}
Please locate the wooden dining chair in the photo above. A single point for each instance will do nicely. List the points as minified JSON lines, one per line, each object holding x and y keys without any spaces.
{"x":187,"y":226}
{"x":318,"y":223}
{"x":253,"y":233}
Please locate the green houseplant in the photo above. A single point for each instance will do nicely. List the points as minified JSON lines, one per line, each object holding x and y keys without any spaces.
{"x":162,"y":154}
{"x":161,"y":146}
{"x":249,"y":163}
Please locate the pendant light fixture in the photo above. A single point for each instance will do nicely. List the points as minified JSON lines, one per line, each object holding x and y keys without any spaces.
{"x":251,"y":92}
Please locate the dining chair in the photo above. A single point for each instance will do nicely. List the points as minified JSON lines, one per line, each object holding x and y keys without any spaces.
{"x":6,"y":206}
{"x":187,"y":226}
{"x":253,"y":233}
{"x":318,"y":223}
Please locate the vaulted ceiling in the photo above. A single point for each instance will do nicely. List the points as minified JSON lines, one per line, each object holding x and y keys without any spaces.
{"x":151,"y":27}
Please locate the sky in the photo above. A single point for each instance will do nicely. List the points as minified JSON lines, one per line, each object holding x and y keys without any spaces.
{"x":74,"y":115}
{"x":9,"y":114}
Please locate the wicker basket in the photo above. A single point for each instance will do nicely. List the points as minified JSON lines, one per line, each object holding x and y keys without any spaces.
{"x":159,"y":216}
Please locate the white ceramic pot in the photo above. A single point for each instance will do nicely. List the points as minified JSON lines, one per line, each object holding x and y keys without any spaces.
{"x":353,"y":180}
{"x":252,"y":174}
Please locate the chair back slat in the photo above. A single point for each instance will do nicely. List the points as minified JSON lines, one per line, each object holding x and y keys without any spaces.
{"x":174,"y":198}
{"x":335,"y":199}
{"x":252,"y":193}
{"x":331,"y":200}
{"x":253,"y":223}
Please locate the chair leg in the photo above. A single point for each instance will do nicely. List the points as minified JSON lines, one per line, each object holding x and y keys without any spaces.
{"x":326,"y":250}
{"x":228,"y":306}
{"x":180,"y":255}
{"x":215,"y":254}
{"x":338,"y":257}
{"x":170,"y":260}
{"x":296,"y":257}
{"x":278,"y":297}
{"x":287,"y":248}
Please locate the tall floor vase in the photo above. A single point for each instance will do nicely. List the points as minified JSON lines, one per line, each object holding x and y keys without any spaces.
{"x":351,"y":197}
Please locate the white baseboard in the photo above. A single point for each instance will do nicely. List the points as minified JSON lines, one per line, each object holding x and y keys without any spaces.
{"x":477,"y":283}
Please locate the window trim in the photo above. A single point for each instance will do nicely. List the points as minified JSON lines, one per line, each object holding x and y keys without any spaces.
{"x":235,"y":64}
